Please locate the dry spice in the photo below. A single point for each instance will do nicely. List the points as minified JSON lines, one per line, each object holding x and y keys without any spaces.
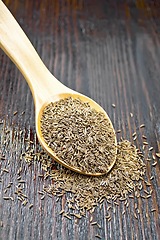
{"x":79,"y":135}
{"x":90,"y":190}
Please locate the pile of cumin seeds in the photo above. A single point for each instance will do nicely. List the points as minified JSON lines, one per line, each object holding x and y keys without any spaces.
{"x":79,"y":135}
{"x":88,"y":191}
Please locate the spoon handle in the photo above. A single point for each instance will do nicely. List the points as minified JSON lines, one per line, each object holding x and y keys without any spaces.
{"x":17,"y":46}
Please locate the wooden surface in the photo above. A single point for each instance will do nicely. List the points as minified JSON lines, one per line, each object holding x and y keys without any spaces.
{"x":109,"y":51}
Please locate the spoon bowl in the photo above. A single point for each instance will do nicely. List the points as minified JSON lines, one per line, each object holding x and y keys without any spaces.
{"x":44,"y":86}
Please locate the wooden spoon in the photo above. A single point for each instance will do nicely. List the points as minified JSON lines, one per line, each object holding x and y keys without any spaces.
{"x":44,"y":86}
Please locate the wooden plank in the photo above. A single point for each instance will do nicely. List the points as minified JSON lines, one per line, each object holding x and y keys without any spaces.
{"x":109,"y":51}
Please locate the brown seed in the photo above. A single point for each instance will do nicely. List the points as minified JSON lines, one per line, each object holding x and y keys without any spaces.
{"x":143,"y":136}
{"x":118,"y":131}
{"x":40,"y":192}
{"x":158,"y":155}
{"x":77,"y":215}
{"x":24,"y":202}
{"x":123,"y":212}
{"x":19,"y":199}
{"x":99,"y":225}
{"x":134,"y":138}
{"x":42,"y":197}
{"x":150,"y":149}
{"x":153,"y":210}
{"x":93,"y":223}
{"x":5,"y":170}
{"x":65,"y":215}
{"x":61,"y":212}
{"x":148,"y":195}
{"x":154,"y":164}
{"x":6,"y":198}
{"x":98,"y":236}
{"x":135,"y":215}
{"x":15,"y":113}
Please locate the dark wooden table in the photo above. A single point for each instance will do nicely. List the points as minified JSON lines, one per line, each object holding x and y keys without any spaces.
{"x":109,"y":51}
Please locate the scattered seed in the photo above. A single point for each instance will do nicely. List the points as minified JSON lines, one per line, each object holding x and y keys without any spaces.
{"x":98,"y":236}
{"x":145,"y":143}
{"x":151,"y":191}
{"x":142,"y":125}
{"x":93,"y":223}
{"x":12,"y":198}
{"x":65,"y":215}
{"x":134,"y":138}
{"x":150,"y":149}
{"x":91,"y":219}
{"x":142,"y":196}
{"x":15,"y":113}
{"x":113,"y":105}
{"x":134,"y":134}
{"x":61,"y":212}
{"x":118,"y":131}
{"x":135,"y":215}
{"x":99,"y":225}
{"x":151,"y":177}
{"x":131,"y":196}
{"x":1,"y":224}
{"x":5,"y":170}
{"x":20,"y":199}
{"x":24,"y":202}
{"x":123,"y":212}
{"x":40,"y":192}
{"x":77,"y":215}
{"x":42,"y":197}
{"x":154,"y":164}
{"x":6,"y":198}
{"x":131,"y":114}
{"x":31,"y":205}
{"x":143,"y":136}
{"x":158,"y":155}
{"x":148,"y":195}
{"x":153,"y":210}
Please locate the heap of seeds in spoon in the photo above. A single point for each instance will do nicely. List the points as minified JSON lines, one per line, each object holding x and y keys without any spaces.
{"x":79,"y":135}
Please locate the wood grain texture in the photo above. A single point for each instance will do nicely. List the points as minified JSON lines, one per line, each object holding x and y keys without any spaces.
{"x":109,"y":51}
